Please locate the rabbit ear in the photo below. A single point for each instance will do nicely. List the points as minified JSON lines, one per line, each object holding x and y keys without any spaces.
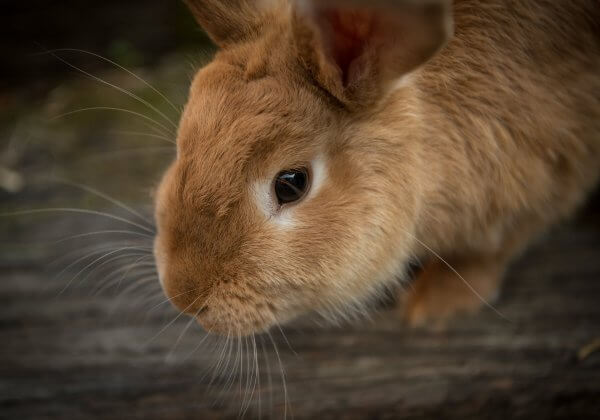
{"x":231,"y":21}
{"x":356,"y":49}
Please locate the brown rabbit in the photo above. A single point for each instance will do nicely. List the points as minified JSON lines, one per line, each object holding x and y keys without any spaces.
{"x":328,"y":143}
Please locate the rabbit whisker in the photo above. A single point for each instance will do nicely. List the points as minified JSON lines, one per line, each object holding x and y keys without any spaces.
{"x":142,"y":134}
{"x":159,"y":93}
{"x":471,"y":288}
{"x":126,"y":153}
{"x":172,"y":321}
{"x":101,"y":232}
{"x":283,"y":380}
{"x":119,"y":89}
{"x":173,"y":297}
{"x":79,"y":211}
{"x":108,"y":198}
{"x":95,"y":251}
{"x":164,"y":130}
{"x":94,"y":262}
{"x":180,"y":337}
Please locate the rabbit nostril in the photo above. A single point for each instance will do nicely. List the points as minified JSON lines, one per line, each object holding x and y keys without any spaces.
{"x":202,"y":310}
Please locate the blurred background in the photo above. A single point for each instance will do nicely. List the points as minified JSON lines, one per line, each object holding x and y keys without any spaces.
{"x":90,"y":94}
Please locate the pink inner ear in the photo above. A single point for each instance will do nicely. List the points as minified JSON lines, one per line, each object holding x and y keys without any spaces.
{"x":349,"y":32}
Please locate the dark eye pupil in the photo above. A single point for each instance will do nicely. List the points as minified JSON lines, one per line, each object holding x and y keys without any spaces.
{"x":291,"y":185}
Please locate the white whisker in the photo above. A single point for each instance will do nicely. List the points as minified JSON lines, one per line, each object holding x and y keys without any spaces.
{"x":125,"y":153}
{"x":127,"y":269}
{"x":164,"y":97}
{"x":268,"y":367}
{"x":187,"y":326}
{"x":214,"y":371}
{"x":167,"y":131}
{"x":256,"y":364}
{"x":101,"y":232}
{"x":471,"y":288}
{"x":283,"y":381}
{"x":109,"y":282}
{"x":119,"y":89}
{"x":153,"y":290}
{"x":247,"y":386}
{"x":230,"y":378}
{"x":142,"y":134}
{"x":172,"y":321}
{"x":285,"y":339}
{"x":108,"y":198}
{"x":96,"y":250}
{"x":93,"y":262}
{"x":74,"y":210}
{"x":137,"y":264}
{"x":173,"y":297}
{"x":129,"y":289}
{"x":97,"y":267}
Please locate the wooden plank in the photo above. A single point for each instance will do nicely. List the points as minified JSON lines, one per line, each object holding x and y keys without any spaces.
{"x":78,"y":355}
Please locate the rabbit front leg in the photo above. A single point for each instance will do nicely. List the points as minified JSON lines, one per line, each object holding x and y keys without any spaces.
{"x":462,"y":284}
{"x":447,"y":288}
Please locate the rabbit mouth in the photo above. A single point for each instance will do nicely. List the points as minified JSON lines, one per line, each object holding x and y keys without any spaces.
{"x":226,"y":320}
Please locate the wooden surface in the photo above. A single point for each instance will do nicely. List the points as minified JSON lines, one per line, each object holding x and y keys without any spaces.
{"x":103,"y":356}
{"x":86,"y":355}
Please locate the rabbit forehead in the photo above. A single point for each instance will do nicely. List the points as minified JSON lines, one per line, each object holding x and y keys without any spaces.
{"x":233,"y":130}
{"x":227,"y":111}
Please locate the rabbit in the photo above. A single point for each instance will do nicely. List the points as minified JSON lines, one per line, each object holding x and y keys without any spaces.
{"x":329,"y":144}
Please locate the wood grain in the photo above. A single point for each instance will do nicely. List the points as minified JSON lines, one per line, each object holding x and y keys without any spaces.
{"x":77,"y":355}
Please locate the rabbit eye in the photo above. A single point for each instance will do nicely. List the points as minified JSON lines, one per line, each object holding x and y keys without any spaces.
{"x":291,"y":185}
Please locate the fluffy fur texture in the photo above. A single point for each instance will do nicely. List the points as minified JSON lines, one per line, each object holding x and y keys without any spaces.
{"x":466,"y":145}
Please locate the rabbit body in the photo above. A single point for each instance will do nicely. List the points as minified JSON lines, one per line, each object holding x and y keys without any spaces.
{"x":455,"y":135}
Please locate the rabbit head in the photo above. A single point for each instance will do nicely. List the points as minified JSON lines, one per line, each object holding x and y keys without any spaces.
{"x":290,"y":191}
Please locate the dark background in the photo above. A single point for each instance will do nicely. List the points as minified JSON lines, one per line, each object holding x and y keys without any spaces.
{"x":88,"y":338}
{"x":134,"y":32}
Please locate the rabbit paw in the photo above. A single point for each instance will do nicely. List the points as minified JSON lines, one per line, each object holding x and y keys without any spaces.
{"x":439,"y":293}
